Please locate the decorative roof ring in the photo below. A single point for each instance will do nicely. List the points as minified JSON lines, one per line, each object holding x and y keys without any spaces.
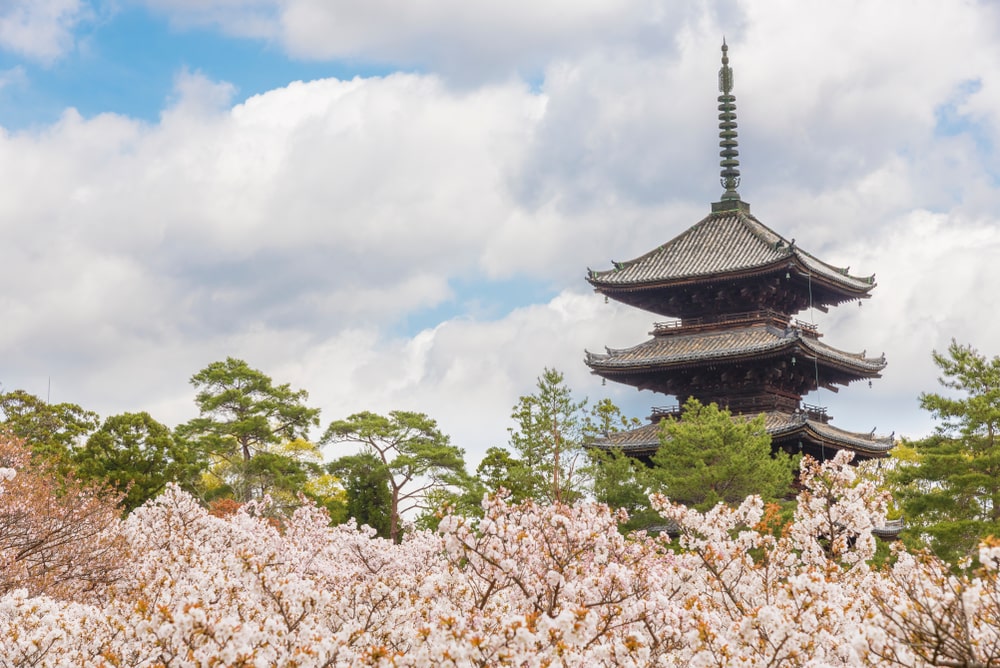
{"x":730,"y":176}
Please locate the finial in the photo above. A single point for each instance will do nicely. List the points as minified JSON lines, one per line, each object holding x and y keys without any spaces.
{"x":727,"y":130}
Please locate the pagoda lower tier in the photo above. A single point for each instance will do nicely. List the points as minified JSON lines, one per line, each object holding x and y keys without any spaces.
{"x":797,"y":432}
{"x":737,"y":362}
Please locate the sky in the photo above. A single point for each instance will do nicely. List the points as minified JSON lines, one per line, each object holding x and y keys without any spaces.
{"x":393,"y":205}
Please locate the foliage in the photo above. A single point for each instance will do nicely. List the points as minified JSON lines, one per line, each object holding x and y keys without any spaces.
{"x":951,"y":494}
{"x":242,"y":413}
{"x":548,"y":442}
{"x":414,"y":455}
{"x":51,"y":430}
{"x":500,"y":470}
{"x":624,"y":483}
{"x":366,"y":483}
{"x":605,"y":418}
{"x":707,"y":457}
{"x":528,"y":584}
{"x":58,"y":537}
{"x":137,"y":456}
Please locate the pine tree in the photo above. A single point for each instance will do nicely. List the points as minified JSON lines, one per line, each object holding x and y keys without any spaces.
{"x":709,"y":456}
{"x":951,"y":495}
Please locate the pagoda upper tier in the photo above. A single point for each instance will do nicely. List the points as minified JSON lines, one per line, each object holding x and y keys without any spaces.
{"x":729,"y":262}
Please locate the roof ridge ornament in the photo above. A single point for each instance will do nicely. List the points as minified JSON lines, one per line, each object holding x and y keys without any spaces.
{"x":730,"y":163}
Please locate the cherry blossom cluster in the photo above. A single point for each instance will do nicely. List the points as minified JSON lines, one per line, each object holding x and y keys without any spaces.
{"x":526,"y":585}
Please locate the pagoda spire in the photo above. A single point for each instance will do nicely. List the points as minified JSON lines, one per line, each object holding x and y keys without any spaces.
{"x":727,"y":130}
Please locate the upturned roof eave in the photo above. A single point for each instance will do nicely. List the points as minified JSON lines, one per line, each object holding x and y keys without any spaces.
{"x":791,"y":427}
{"x":767,"y":240}
{"x":863,"y":367}
{"x":855,"y":289}
{"x":834,"y":437}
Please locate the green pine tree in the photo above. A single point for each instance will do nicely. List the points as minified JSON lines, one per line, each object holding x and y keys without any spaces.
{"x":951,"y":495}
{"x":709,"y":456}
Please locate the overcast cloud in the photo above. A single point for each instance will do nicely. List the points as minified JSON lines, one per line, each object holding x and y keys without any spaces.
{"x":383,"y":241}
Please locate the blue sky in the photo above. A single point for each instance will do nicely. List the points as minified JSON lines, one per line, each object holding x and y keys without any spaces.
{"x":393,"y":205}
{"x":126,"y":63}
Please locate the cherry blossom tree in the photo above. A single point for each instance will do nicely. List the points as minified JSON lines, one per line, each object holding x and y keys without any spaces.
{"x":526,"y":584}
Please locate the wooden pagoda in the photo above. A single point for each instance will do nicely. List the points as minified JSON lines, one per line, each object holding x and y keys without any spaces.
{"x":732,"y":287}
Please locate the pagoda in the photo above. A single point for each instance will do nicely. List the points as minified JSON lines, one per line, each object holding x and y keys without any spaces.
{"x":731,"y":288}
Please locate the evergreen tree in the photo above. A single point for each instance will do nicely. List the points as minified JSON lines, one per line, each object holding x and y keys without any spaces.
{"x":548,"y":441}
{"x":137,"y":456}
{"x":244,"y":414}
{"x":624,"y":483}
{"x":707,"y":456}
{"x":366,"y":481}
{"x":951,"y":495}
{"x":50,"y":430}
{"x":414,"y":455}
{"x":501,"y":470}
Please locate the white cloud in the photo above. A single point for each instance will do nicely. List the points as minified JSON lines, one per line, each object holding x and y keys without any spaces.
{"x":467,"y":41}
{"x":245,"y":18}
{"x":40,"y":29}
{"x":299,"y":228}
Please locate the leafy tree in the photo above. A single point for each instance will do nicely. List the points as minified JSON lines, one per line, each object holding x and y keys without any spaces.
{"x":137,"y":456}
{"x":366,"y":482}
{"x":283,"y":472}
{"x":243,"y":413}
{"x":606,"y":418}
{"x":707,"y":456}
{"x":951,"y":495}
{"x":413,"y":452}
{"x":501,"y":470}
{"x":552,"y":432}
{"x":51,"y":430}
{"x":58,"y":536}
{"x":624,"y":483}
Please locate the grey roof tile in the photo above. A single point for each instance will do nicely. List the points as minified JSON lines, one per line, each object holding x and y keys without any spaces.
{"x":721,"y":243}
{"x":678,"y":349}
{"x":777,"y":423}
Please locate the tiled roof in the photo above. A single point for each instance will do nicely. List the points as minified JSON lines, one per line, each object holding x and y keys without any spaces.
{"x":724,"y":242}
{"x":679,"y":349}
{"x":644,"y":438}
{"x":781,"y":424}
{"x":778,"y":424}
{"x":890,"y":530}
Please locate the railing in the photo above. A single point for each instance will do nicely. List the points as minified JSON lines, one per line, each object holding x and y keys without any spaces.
{"x":727,"y":318}
{"x":817,"y":413}
{"x":763,"y":315}
{"x":660,"y":412}
{"x":751,"y":405}
{"x":807,"y":327}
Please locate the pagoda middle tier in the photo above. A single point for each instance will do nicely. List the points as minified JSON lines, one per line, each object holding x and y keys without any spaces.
{"x":744,"y":361}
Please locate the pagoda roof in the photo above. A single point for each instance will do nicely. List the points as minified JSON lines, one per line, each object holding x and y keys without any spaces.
{"x":780,"y":425}
{"x":730,"y":344}
{"x":725,"y":244}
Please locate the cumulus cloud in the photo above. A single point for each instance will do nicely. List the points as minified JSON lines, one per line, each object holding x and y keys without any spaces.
{"x":467,"y":42}
{"x":40,"y":29}
{"x":302,"y":228}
